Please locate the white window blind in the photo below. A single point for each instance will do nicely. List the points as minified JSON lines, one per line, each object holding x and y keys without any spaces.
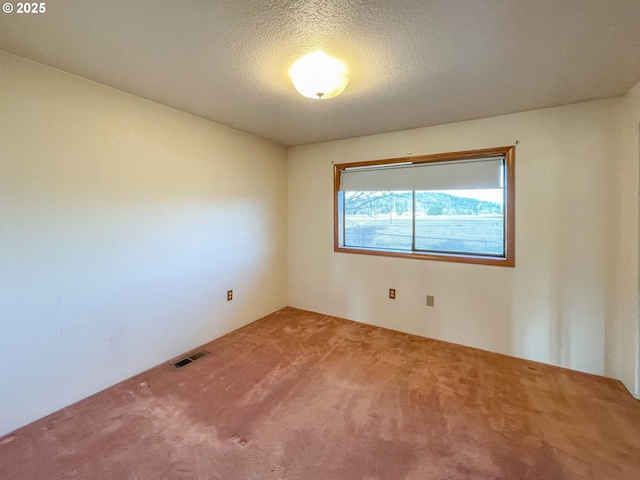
{"x":450,"y":175}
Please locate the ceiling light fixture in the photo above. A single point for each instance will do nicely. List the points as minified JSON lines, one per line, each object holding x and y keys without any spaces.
{"x":317,"y":75}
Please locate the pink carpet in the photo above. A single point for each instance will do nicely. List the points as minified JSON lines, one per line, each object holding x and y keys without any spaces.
{"x":302,"y":396}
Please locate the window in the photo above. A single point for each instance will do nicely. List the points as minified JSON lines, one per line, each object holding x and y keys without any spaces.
{"x":457,"y":207}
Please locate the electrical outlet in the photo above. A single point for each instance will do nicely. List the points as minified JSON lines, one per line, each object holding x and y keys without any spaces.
{"x":229,"y":295}
{"x":392,"y":293}
{"x":430,"y":301}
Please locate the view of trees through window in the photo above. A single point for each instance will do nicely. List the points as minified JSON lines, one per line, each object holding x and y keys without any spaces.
{"x":452,"y":221}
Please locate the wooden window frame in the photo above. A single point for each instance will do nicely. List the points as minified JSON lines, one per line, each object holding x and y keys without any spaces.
{"x":508,"y":260}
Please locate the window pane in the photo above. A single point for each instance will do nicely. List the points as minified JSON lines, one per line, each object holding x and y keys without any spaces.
{"x":460,"y":221}
{"x":378,"y":220}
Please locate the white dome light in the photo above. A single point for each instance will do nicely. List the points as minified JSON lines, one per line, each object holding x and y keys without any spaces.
{"x":317,"y":75}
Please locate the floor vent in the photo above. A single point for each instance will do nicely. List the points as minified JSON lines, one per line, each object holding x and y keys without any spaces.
{"x":190,"y":359}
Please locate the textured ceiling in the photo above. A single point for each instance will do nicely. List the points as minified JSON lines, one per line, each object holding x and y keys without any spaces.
{"x":412,"y":63}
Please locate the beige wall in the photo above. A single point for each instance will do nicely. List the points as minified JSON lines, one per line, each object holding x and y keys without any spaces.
{"x":122,"y":225}
{"x":554,"y":306}
{"x":623,"y":331}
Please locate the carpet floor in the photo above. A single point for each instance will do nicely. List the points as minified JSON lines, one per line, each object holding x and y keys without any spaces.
{"x":302,"y":396}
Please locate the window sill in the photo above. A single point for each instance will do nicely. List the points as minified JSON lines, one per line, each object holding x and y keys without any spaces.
{"x":473,"y":259}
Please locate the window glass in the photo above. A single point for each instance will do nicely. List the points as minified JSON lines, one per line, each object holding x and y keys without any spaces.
{"x":460,"y":221}
{"x":378,"y":220}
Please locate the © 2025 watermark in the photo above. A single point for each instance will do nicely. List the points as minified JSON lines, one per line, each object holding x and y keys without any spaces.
{"x":25,"y":8}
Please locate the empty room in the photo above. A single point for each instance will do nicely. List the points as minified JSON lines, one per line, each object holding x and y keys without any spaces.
{"x":320,"y":240}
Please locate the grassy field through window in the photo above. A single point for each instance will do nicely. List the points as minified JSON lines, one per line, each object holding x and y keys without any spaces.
{"x":444,"y":222}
